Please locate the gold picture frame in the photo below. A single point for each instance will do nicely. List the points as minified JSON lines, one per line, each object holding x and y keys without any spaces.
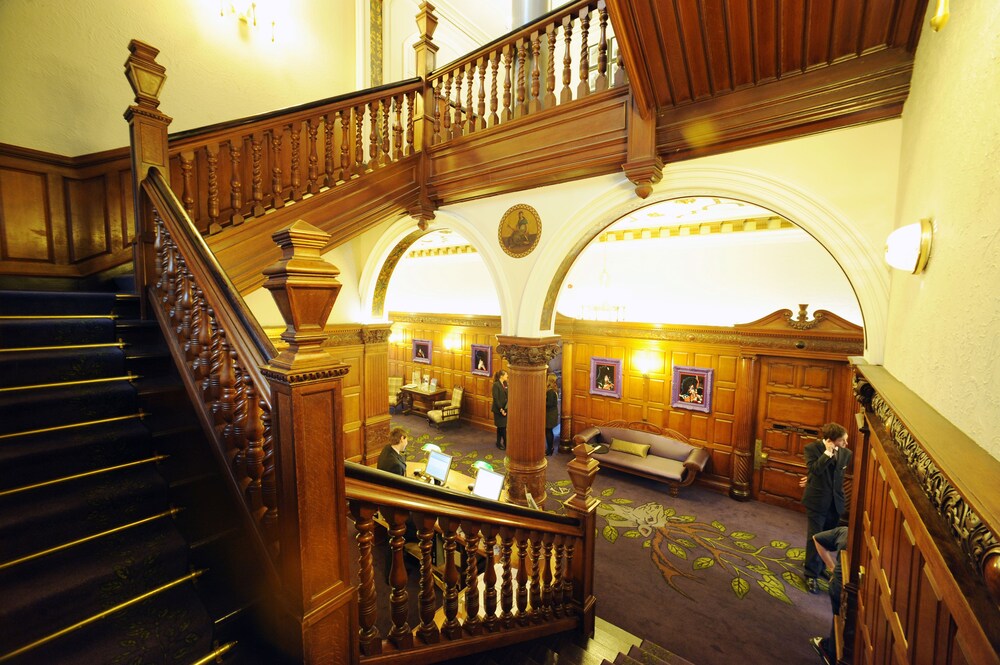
{"x":520,"y":230}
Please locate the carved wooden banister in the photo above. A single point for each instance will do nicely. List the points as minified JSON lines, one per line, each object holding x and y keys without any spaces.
{"x":509,"y":573}
{"x":520,"y":73}
{"x":229,"y":173}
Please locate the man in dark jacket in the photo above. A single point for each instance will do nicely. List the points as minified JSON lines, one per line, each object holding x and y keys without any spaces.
{"x":500,"y":407}
{"x":391,"y":458}
{"x":829,"y":544}
{"x":827,"y":460}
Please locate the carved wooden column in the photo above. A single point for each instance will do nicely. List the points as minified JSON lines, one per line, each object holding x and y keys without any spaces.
{"x":528,"y":358}
{"x":375,"y":383}
{"x":642,"y":166}
{"x":582,"y":470}
{"x":745,"y":428}
{"x":566,"y":413}
{"x":148,"y":138}
{"x":320,"y":618}
{"x":423,"y":124}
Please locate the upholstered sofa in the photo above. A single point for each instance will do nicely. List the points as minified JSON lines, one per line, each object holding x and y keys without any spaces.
{"x":670,"y":456}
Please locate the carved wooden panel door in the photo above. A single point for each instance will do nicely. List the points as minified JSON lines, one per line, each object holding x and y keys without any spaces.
{"x":795,"y":398}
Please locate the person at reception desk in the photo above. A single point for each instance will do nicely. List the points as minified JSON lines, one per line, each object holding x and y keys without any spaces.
{"x":500,"y":407}
{"x":391,"y":458}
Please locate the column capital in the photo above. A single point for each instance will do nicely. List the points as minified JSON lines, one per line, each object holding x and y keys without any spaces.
{"x":528,"y":351}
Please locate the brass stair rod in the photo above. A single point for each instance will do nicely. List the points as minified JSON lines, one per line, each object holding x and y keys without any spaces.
{"x":66,"y":347}
{"x":81,"y":382}
{"x":77,"y":476}
{"x":58,"y":428}
{"x":86,"y":539}
{"x":100,"y":615}
{"x":213,"y":657}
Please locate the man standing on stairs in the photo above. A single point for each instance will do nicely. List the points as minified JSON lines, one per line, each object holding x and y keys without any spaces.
{"x":826,"y":460}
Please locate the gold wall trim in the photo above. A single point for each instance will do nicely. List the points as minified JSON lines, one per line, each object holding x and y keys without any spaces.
{"x":748,"y":225}
{"x":469,"y":321}
{"x":776,"y":340}
{"x":431,"y":252}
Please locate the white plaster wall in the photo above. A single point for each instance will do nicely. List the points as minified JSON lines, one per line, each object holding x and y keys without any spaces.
{"x":64,"y":88}
{"x":942,"y":338}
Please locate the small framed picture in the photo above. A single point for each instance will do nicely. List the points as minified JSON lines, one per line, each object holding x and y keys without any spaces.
{"x":482,"y":359}
{"x":692,"y":389}
{"x":606,"y":377}
{"x":422,"y":351}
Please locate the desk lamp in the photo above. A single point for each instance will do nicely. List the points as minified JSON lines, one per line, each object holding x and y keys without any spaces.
{"x":482,"y":464}
{"x":427,"y":447}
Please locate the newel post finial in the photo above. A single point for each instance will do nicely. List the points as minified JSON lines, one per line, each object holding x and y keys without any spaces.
{"x":582,"y":470}
{"x":305,"y":287}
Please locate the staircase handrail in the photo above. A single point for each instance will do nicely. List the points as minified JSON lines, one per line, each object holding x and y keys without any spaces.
{"x":536,"y":576}
{"x":368,"y":484}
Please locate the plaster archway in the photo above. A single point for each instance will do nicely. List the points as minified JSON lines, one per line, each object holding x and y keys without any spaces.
{"x":862,"y":264}
{"x":381,"y":260}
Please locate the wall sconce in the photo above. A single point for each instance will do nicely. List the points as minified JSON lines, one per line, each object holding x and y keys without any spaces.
{"x":941,"y":15}
{"x":451,"y":342}
{"x":245,"y":12}
{"x":643,"y":362}
{"x":909,"y":247}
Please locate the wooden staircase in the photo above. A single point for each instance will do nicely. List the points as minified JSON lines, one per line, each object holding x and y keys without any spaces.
{"x":116,"y":541}
{"x":609,"y":646}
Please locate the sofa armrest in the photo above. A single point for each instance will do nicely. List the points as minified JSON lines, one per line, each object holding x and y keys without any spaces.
{"x":697,"y":460}
{"x":449,"y":410}
{"x":587,"y":436}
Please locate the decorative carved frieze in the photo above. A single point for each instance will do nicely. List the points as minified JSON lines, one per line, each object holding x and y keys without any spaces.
{"x":719,"y":336}
{"x":447,"y":320}
{"x":291,"y":378}
{"x":371,"y":335}
{"x":975,"y":539}
{"x":528,"y":354}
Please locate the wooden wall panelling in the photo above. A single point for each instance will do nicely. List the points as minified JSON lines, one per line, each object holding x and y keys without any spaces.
{"x":451,"y":367}
{"x":911,"y":609}
{"x":61,"y":216}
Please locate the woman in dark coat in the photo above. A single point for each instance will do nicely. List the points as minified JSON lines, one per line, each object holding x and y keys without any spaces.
{"x":551,"y":413}
{"x":500,"y":407}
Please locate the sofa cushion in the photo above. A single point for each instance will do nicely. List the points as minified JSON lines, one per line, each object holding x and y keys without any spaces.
{"x":668,"y":469}
{"x":659,"y":445}
{"x":638,"y":449}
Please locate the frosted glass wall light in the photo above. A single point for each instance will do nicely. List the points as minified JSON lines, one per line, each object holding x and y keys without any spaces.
{"x":908,"y":247}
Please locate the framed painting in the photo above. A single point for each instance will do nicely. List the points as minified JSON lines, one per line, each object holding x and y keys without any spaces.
{"x":692,"y":389}
{"x":606,"y":377}
{"x":482,"y":359}
{"x":520,"y":229}
{"x":422,"y":351}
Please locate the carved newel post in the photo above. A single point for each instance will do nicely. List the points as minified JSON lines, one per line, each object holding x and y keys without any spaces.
{"x":529,"y":362}
{"x":582,"y":470}
{"x":307,"y":421}
{"x":148,"y":138}
{"x":426,"y":62}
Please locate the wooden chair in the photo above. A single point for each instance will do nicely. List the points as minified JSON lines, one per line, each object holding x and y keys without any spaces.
{"x":395,"y":383}
{"x":446,"y":410}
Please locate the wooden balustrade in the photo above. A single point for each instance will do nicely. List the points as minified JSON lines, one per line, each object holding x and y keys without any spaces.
{"x":505,"y":569}
{"x":510,"y":72}
{"x":228,"y":173}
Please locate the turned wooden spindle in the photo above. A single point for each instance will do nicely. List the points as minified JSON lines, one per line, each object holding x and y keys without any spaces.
{"x":550,"y":68}
{"x":345,"y":145}
{"x":583,"y":87}
{"x":521,"y":597}
{"x":268,"y":486}
{"x":410,"y":100}
{"x":450,"y":628}
{"x":364,"y":523}
{"x":399,"y":633}
{"x":427,"y":631}
{"x":312,"y":158}
{"x":566,"y":94}
{"x":257,"y":173}
{"x":397,"y":128}
{"x":490,"y":533}
{"x":506,"y":579}
{"x":329,"y":149}
{"x":507,"y":113}
{"x":537,"y":565}
{"x":212,"y":160}
{"x":534,"y":103}
{"x":494,"y":100}
{"x":277,"y":193}
{"x":547,"y":538}
{"x":472,"y":625}
{"x":601,"y":82}
{"x":558,"y":588}
{"x":481,"y":108}
{"x":235,"y":184}
{"x":521,"y":107}
{"x":294,"y":177}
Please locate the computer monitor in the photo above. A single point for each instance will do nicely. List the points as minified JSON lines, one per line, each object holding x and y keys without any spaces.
{"x":438,"y":466}
{"x":489,"y":484}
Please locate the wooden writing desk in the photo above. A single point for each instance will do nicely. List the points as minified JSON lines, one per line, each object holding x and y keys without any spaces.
{"x":419,"y":400}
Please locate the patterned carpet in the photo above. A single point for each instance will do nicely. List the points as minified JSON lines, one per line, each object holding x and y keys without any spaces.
{"x":710,"y":578}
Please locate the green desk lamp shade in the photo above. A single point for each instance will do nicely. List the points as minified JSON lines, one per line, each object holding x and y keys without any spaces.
{"x":427,"y":447}
{"x":482,"y":464}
